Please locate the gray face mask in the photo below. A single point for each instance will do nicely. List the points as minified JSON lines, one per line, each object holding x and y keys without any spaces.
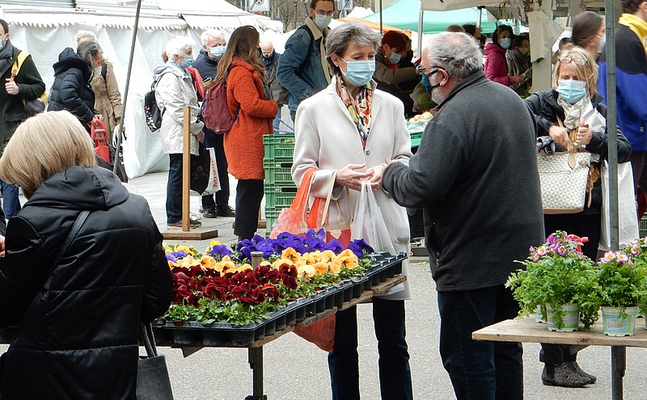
{"x":322,"y":21}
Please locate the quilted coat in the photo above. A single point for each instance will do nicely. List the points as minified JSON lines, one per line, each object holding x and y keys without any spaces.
{"x":244,"y":142}
{"x":496,"y":67}
{"x":77,"y":335}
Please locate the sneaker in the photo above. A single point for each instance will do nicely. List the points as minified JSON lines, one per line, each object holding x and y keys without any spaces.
{"x":564,"y":375}
{"x":226,"y":211}
{"x":210,"y":213}
{"x":192,"y":223}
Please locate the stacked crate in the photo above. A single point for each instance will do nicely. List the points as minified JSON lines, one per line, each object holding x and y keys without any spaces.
{"x":279,"y":186}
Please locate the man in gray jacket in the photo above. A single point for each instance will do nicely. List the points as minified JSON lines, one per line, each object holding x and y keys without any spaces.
{"x":475,"y":175}
{"x":303,"y":69}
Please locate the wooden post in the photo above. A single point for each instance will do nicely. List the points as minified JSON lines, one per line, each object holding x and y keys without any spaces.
{"x":186,"y":170}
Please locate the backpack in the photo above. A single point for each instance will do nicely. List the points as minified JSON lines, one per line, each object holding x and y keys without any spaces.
{"x":215,"y":113}
{"x":152,"y":112}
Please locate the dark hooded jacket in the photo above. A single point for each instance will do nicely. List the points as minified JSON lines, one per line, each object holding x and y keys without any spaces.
{"x":78,"y":321}
{"x":71,"y":90}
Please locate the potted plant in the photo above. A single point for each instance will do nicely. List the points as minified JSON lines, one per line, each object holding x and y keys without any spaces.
{"x":559,"y":279}
{"x":621,"y":288}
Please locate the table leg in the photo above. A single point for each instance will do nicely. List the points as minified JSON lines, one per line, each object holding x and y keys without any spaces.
{"x":255,"y":357}
{"x":618,"y":367}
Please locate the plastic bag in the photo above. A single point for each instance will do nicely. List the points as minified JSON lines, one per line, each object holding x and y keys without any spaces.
{"x":627,"y":217}
{"x":369,"y":223}
{"x":213,"y":185}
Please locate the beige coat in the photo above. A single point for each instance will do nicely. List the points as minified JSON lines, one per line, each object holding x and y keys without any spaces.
{"x":107,"y":98}
{"x":174,"y":90}
{"x":326,"y":138}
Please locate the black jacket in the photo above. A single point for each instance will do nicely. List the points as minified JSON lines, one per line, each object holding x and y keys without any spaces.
{"x":12,"y":109}
{"x":475,"y":175}
{"x":77,"y":334}
{"x":546,"y":110}
{"x":71,"y":90}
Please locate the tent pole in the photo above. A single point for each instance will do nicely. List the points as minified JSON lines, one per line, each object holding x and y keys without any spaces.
{"x":479,"y":16}
{"x":611,"y":128}
{"x":381,"y":11}
{"x":421,"y":17}
{"x":130,"y":68}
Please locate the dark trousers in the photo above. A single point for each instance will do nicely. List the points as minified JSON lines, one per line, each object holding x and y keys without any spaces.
{"x":395,"y":374}
{"x":479,"y":370}
{"x":249,"y":194}
{"x":583,"y":225}
{"x":174,"y":189}
{"x":639,"y":167}
{"x":10,"y":199}
{"x":222,"y":196}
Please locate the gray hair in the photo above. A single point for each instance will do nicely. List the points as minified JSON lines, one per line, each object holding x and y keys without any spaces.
{"x":179,"y":46}
{"x":82,"y":36}
{"x":456,"y":53}
{"x":88,"y":51}
{"x":339,"y":38}
{"x":212,"y":33}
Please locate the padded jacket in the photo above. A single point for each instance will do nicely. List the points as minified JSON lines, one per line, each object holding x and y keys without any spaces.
{"x":71,"y":90}
{"x":496,"y":67}
{"x":78,"y":322}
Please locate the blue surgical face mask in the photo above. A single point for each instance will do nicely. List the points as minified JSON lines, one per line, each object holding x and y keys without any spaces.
{"x":359,"y":73}
{"x":395,"y":57}
{"x":571,"y":90}
{"x":216,"y":52}
{"x":2,"y":44}
{"x":505,"y":43}
{"x":322,"y":21}
{"x":188,"y":60}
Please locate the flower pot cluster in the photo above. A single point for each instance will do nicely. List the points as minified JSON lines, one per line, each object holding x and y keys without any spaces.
{"x":568,"y":289}
{"x":221,"y":286}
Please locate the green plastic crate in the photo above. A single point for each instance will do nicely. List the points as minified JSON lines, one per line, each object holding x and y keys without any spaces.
{"x":642,"y":226}
{"x":277,"y":198}
{"x":278,"y":146}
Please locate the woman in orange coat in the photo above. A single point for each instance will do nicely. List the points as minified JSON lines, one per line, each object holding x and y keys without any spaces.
{"x":249,"y":100}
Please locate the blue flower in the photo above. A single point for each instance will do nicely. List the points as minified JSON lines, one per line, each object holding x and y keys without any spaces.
{"x":219,"y":251}
{"x":334,"y":245}
{"x":358,"y":247}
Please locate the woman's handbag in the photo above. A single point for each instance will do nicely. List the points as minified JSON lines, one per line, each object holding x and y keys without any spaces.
{"x":153,"y":382}
{"x":627,"y":217}
{"x":563,"y":178}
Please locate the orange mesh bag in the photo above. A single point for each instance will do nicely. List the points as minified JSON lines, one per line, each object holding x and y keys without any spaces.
{"x":292,"y":219}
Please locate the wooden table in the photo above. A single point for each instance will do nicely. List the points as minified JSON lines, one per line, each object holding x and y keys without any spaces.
{"x":527,"y":330}
{"x":255,"y":350}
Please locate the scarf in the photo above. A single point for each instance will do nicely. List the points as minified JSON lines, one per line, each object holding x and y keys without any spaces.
{"x":636,"y":24}
{"x":359,"y":107}
{"x":6,"y":55}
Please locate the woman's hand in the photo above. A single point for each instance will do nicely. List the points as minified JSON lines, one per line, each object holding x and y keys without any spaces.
{"x":351,"y":177}
{"x":200,"y":136}
{"x":559,"y":135}
{"x":584,"y":134}
{"x":97,"y":117}
{"x":516,"y":80}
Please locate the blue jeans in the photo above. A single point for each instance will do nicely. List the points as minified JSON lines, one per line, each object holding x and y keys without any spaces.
{"x":174,"y":189}
{"x":10,"y":200}
{"x":479,"y":370}
{"x":395,"y":374}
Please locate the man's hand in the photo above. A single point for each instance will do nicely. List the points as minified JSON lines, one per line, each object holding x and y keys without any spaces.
{"x":351,"y":177}
{"x":11,"y":87}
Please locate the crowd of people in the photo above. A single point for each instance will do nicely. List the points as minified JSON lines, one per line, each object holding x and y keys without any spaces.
{"x":349,"y":92}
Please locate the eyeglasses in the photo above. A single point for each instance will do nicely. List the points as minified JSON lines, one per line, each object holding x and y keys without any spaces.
{"x":568,"y":60}
{"x":324,"y":13}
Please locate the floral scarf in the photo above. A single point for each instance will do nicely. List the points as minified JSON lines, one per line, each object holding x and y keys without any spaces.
{"x":359,"y":107}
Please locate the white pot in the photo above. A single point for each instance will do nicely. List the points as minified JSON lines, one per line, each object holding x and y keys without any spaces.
{"x":570,"y":319}
{"x":614,"y":325}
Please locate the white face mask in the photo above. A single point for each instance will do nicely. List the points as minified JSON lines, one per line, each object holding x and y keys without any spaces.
{"x":97,"y":70}
{"x":603,"y":41}
{"x":322,"y":21}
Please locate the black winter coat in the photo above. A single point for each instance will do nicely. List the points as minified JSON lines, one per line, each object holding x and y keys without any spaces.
{"x":546,"y":109}
{"x":71,"y":90}
{"x":78,"y":325}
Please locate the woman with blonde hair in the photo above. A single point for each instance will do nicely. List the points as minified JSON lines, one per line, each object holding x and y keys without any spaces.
{"x":250,"y":102}
{"x":77,"y":311}
{"x":572,"y":116}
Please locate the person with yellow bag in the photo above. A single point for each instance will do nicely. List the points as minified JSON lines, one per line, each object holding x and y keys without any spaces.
{"x":21,"y":83}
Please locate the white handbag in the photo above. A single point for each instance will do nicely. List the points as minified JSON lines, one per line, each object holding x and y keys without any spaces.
{"x":563,"y":178}
{"x":627,"y":215}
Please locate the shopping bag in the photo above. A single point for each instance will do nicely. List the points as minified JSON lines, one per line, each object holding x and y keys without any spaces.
{"x":563,"y":178}
{"x":293,"y":219}
{"x":153,"y":382}
{"x":213,"y":185}
{"x":200,"y":166}
{"x":627,"y":217}
{"x":368,"y":223}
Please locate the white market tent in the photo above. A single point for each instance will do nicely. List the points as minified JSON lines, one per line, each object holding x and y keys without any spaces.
{"x":45,"y":29}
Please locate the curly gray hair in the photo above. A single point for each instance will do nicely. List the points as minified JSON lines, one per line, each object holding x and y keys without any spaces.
{"x":339,"y":38}
{"x":456,"y":53}
{"x":179,"y":46}
{"x":212,"y":33}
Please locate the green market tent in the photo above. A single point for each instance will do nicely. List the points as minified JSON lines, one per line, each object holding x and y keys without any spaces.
{"x":404,"y":14}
